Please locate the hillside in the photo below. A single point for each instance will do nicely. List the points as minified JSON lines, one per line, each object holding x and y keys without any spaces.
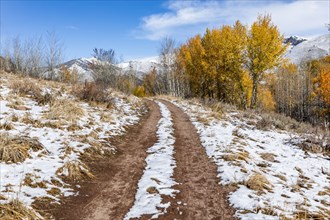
{"x":314,"y":48}
{"x":47,"y":135}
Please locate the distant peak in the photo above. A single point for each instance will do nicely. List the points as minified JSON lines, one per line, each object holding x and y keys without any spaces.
{"x":294,"y":40}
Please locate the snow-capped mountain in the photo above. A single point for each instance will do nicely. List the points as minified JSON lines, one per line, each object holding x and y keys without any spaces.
{"x":140,"y":66}
{"x":307,"y":49}
{"x":294,"y":40}
{"x":82,"y":66}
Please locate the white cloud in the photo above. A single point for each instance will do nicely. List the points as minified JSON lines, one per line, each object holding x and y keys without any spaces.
{"x":186,"y":18}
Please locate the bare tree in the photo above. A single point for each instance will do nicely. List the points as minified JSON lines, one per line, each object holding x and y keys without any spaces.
{"x":28,"y":56}
{"x":104,"y":72}
{"x":17,"y":56}
{"x":36,"y":57}
{"x":167,"y":57}
{"x":54,"y":53}
{"x":104,"y":55}
{"x":6,"y":63}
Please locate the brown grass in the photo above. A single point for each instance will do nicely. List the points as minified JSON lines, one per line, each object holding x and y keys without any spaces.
{"x":16,"y":210}
{"x":74,"y":171}
{"x":54,"y":191}
{"x":99,"y":148}
{"x":152,"y":190}
{"x":66,"y":110}
{"x":29,"y":180}
{"x":268,"y":157}
{"x":324,"y":192}
{"x":14,"y":149}
{"x":258,"y":182}
{"x":2,"y":197}
{"x":91,"y":92}
{"x":24,"y":87}
{"x":6,"y":126}
{"x":31,"y":89}
{"x":282,"y":177}
{"x":236,"y":156}
{"x":14,"y":118}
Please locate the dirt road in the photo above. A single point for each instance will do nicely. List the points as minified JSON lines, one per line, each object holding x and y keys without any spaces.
{"x":201,"y":196}
{"x":112,"y":194}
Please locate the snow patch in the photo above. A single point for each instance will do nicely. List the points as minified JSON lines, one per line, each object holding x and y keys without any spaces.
{"x":157,"y":177}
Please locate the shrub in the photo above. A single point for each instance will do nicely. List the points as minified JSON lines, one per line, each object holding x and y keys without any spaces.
{"x":139,"y":91}
{"x":264,"y":124}
{"x":91,"y":92}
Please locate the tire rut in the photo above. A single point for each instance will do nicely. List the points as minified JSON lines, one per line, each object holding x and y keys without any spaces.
{"x":112,"y":193}
{"x":201,"y":196}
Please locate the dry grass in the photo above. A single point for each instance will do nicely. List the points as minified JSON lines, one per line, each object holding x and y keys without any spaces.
{"x":106,"y":117}
{"x":14,"y":118}
{"x":306,"y":215}
{"x":2,"y":197}
{"x":99,"y":148}
{"x":27,"y":119}
{"x":29,"y":180}
{"x":16,"y":103}
{"x":15,"y":210}
{"x":6,"y":126}
{"x":152,"y":190}
{"x":54,"y":191}
{"x":281,"y":177}
{"x":65,"y":109}
{"x":14,"y":149}
{"x":92,"y":92}
{"x":268,"y":157}
{"x":24,"y":87}
{"x":314,"y":143}
{"x":258,"y":182}
{"x":74,"y":171}
{"x":324,"y":192}
{"x":236,"y":156}
{"x":31,"y":89}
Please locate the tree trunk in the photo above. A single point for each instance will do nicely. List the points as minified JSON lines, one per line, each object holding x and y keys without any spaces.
{"x":254,"y":94}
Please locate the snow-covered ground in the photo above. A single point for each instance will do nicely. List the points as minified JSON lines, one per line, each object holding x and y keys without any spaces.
{"x":314,"y":48}
{"x":273,"y":177}
{"x":157,"y":178}
{"x":41,"y":174}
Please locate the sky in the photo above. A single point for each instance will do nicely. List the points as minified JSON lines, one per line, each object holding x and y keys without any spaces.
{"x":135,"y":28}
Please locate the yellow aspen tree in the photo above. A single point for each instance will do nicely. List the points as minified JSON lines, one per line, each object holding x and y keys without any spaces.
{"x":265,"y":51}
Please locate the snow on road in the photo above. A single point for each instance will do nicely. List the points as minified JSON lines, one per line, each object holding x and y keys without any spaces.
{"x":295,"y":181}
{"x":157,"y":178}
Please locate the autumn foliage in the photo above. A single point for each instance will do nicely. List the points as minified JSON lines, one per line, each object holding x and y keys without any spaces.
{"x":244,"y":66}
{"x":229,"y":63}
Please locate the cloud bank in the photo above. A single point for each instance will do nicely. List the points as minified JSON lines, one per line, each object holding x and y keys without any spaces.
{"x":183,"y":19}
